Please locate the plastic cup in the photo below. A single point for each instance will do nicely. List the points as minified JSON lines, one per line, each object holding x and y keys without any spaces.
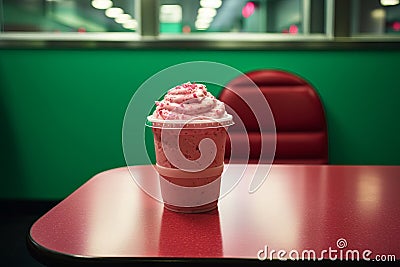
{"x":190,"y":173}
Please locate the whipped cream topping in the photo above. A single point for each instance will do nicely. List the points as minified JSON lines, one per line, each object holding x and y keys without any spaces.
{"x":189,"y":101}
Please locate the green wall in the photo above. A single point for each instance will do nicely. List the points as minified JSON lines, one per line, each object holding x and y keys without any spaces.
{"x":61,"y":111}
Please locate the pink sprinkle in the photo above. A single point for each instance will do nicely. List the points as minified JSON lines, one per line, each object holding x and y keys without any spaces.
{"x":194,"y":95}
{"x":193,"y":86}
{"x":157,"y":103}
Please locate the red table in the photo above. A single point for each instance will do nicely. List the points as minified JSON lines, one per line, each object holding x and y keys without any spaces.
{"x":300,"y":212}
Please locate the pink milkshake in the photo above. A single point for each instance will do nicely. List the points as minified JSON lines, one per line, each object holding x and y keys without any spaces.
{"x":189,"y":127}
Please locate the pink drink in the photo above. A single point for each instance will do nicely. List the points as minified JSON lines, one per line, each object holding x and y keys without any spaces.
{"x":190,"y":189}
{"x":189,"y":140}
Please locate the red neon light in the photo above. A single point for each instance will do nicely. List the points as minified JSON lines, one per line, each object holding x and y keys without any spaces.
{"x":396,"y":26}
{"x":293,"y":29}
{"x":248,"y":9}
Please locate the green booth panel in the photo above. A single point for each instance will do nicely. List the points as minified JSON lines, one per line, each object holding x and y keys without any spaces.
{"x":62,"y":110}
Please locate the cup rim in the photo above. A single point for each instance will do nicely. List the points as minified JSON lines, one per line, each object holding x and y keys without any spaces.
{"x":197,"y":122}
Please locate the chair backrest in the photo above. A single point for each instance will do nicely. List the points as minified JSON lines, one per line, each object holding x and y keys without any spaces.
{"x":301,"y":131}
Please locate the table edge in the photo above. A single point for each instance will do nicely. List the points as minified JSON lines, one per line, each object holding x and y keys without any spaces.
{"x":51,"y":257}
{"x":54,"y":258}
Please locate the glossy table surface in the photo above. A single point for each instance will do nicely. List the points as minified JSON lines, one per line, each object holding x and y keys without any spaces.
{"x":298,"y":208}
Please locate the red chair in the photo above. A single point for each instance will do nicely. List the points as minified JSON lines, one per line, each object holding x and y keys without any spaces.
{"x":301,"y":131}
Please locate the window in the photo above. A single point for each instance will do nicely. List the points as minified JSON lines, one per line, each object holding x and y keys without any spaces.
{"x":244,"y":16}
{"x":375,"y":17}
{"x":220,"y":24}
{"x":68,"y":16}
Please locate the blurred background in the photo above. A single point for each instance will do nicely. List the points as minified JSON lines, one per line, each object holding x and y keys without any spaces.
{"x":188,"y":16}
